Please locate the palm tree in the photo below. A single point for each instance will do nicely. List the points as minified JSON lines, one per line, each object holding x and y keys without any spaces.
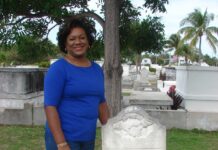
{"x":198,"y":25}
{"x":173,"y":43}
{"x":184,"y":50}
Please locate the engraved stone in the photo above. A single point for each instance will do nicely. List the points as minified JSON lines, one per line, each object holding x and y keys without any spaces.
{"x":133,"y":129}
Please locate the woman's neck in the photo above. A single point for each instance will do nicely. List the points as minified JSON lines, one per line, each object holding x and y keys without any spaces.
{"x":79,"y":61}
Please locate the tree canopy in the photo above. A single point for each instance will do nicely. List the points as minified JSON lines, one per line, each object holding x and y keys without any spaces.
{"x":148,"y":35}
{"x":33,"y":17}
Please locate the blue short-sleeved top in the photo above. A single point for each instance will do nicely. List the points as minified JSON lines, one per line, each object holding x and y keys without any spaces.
{"x":76,"y":92}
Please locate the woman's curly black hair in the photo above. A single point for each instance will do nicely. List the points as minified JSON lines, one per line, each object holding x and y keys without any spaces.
{"x":68,"y":25}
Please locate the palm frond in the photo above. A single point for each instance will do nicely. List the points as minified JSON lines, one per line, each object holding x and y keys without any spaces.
{"x":208,"y":17}
{"x":194,"y":40}
{"x":189,"y":34}
{"x":212,"y":45}
{"x":213,"y":29}
{"x":185,"y":29}
{"x":212,"y":37}
{"x":173,"y":41}
{"x":213,"y":41}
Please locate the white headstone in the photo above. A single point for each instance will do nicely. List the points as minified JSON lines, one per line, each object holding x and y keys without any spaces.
{"x":144,"y":74}
{"x":133,"y":129}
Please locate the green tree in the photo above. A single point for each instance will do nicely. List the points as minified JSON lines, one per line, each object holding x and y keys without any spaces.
{"x":197,"y":26}
{"x":32,"y":49}
{"x":147,"y":36}
{"x":97,"y":50}
{"x":210,"y":61}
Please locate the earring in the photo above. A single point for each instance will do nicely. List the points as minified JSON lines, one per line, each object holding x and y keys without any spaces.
{"x":65,"y":49}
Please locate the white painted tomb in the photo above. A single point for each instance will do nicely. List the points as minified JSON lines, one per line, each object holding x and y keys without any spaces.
{"x":199,"y":87}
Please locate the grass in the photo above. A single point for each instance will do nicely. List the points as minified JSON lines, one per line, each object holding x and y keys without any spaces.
{"x":32,"y":138}
{"x":178,"y":139}
{"x":21,"y":138}
{"x":126,"y":93}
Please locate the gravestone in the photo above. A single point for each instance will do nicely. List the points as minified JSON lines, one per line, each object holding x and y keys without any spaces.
{"x":127,"y":82}
{"x":133,"y":129}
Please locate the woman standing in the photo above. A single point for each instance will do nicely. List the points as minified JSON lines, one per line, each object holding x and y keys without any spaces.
{"x":74,"y":91}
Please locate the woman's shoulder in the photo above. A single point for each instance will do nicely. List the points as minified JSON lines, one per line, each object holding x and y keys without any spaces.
{"x":58,"y":63}
{"x":95,"y":64}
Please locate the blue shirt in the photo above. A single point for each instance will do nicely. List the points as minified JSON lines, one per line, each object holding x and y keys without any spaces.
{"x":76,"y":92}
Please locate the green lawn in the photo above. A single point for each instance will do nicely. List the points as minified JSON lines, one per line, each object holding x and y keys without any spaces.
{"x":32,"y":138}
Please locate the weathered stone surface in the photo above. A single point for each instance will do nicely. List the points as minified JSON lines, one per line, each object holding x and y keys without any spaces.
{"x":170,"y":118}
{"x":133,"y":129}
{"x":17,"y":116}
{"x":202,"y":120}
{"x":170,"y":73}
{"x":39,"y":115}
{"x":140,"y":85}
{"x":148,"y":100}
{"x":21,"y":90}
{"x":20,"y":81}
{"x":127,"y":82}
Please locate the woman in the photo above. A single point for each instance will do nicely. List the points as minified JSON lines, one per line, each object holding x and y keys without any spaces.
{"x":74,"y":91}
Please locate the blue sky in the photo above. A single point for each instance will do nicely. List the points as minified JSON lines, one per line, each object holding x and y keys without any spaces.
{"x":176,"y":11}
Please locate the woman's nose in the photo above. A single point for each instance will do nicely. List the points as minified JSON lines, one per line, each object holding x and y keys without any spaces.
{"x":77,"y":40}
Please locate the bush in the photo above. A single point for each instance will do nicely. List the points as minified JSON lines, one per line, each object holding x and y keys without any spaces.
{"x":2,"y":57}
{"x":9,"y":56}
{"x":152,"y":69}
{"x":147,"y":65}
{"x":44,"y":64}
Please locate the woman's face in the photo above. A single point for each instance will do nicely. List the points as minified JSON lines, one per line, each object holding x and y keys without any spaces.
{"x":77,"y":42}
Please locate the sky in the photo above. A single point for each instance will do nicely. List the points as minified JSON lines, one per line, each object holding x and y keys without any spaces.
{"x":176,"y":11}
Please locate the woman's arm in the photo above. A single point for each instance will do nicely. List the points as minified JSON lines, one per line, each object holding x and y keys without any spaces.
{"x":55,"y":126}
{"x":103,"y":113}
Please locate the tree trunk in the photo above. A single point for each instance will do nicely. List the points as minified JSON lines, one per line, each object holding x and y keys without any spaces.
{"x":200,"y":53}
{"x":138,"y":63}
{"x":186,"y":60}
{"x":112,"y":65}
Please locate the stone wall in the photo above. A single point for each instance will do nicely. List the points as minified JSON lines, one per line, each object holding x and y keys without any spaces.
{"x":186,"y":120}
{"x":29,"y":115}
